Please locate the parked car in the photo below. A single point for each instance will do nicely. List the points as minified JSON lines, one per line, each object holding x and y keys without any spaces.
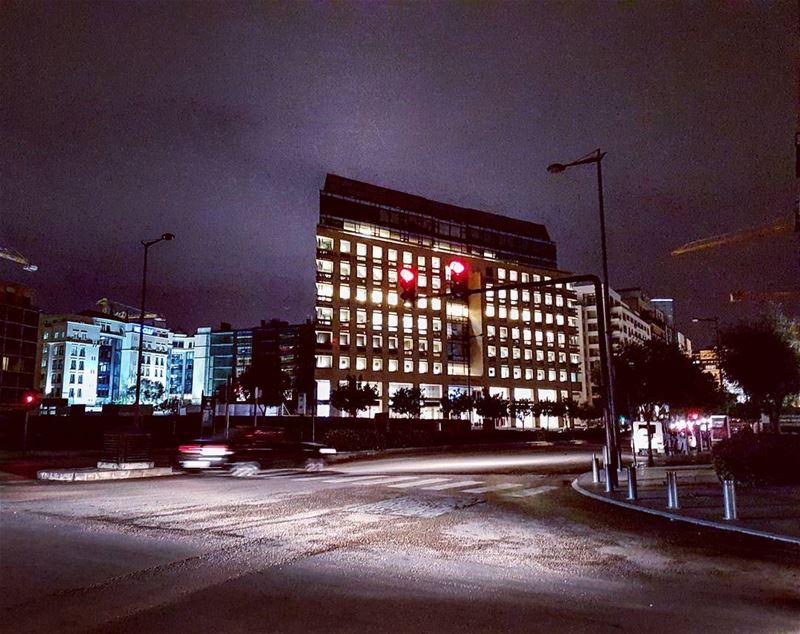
{"x":639,"y":436}
{"x":245,"y":454}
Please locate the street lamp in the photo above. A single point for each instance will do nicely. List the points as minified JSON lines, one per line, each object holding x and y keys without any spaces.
{"x":714,"y":320}
{"x":146,"y":244}
{"x":596,"y":157}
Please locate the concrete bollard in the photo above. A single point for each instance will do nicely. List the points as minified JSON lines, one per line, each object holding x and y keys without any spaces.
{"x":633,"y":493}
{"x":729,"y":499}
{"x":672,"y":490}
{"x":595,"y":469}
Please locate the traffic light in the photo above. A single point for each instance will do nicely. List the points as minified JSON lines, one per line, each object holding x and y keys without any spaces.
{"x":408,"y":285}
{"x":30,"y":400}
{"x":459,"y":279}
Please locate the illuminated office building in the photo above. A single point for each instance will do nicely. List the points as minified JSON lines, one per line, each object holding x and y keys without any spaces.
{"x":518,"y":343}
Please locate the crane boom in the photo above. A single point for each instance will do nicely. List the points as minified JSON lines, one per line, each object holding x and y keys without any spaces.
{"x":7,"y":253}
{"x":774,"y":228}
{"x":746,"y":296}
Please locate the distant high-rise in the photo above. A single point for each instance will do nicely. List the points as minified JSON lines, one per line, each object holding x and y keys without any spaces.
{"x":19,"y":335}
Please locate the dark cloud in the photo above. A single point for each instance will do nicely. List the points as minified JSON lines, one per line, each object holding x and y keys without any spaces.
{"x":218,"y":121}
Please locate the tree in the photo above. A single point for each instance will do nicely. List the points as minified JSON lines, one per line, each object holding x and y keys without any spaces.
{"x":266,"y":376}
{"x":151,"y":392}
{"x":520,"y":409}
{"x":354,"y":396}
{"x":760,"y":358}
{"x":407,"y":401}
{"x":490,"y":407}
{"x":457,"y":404}
{"x":655,"y":380}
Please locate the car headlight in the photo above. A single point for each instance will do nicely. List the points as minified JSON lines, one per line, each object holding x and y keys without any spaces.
{"x":327,"y":450}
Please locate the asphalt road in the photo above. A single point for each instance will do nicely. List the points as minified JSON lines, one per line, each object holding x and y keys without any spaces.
{"x":447,"y":543}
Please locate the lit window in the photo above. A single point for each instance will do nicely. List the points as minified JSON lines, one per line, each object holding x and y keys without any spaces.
{"x":437,"y":368}
{"x":503,"y":333}
{"x":393,"y":321}
{"x":344,"y":291}
{"x":422,"y":281}
{"x":537,"y":316}
{"x":392,"y":343}
{"x":344,"y":338}
{"x":377,"y":318}
{"x":422,"y":303}
{"x":361,"y":340}
{"x":325,"y":243}
{"x":492,"y":373}
{"x":502,"y":312}
{"x":392,"y":276}
{"x":526,"y":296}
{"x":423,"y":367}
{"x":435,"y":263}
{"x":436,"y":282}
{"x":512,"y":276}
{"x":548,"y":299}
{"x":490,"y":330}
{"x":526,"y":314}
{"x":437,"y":346}
{"x":324,"y":266}
{"x":525,"y":278}
{"x":361,"y":316}
{"x":392,"y":254}
{"x":559,"y":300}
{"x":548,"y":318}
{"x":377,"y":273}
{"x":408,"y":343}
{"x":361,"y":294}
{"x":324,"y":337}
{"x":377,"y":296}
{"x":436,"y":304}
{"x":501,"y":294}
{"x":551,"y":356}
{"x":501,"y":273}
{"x":550,"y":337}
{"x":408,"y":365}
{"x":324,"y":290}
{"x":562,"y":340}
{"x":504,"y":372}
{"x":324,"y":314}
{"x":562,"y":376}
{"x":517,"y":373}
{"x":344,"y":363}
{"x":423,"y":345}
{"x":361,"y":363}
{"x":503,"y":352}
{"x":408,"y":322}
{"x":344,"y":269}
{"x":528,"y":374}
{"x":361,"y":271}
{"x":516,"y":353}
{"x":361,"y":249}
{"x":537,"y":297}
{"x":391,"y":298}
{"x":491,"y":351}
{"x":437,"y":324}
{"x":323,"y":361}
{"x":540,"y":375}
{"x":377,"y":364}
{"x":344,"y":246}
{"x":539,"y":335}
{"x":377,"y":252}
{"x":514,"y":315}
{"x":422,"y":324}
{"x":526,"y":335}
{"x":551,"y":375}
{"x":344,"y":315}
{"x":408,"y":258}
{"x":528,"y":353}
{"x":393,"y":365}
{"x":489,"y":310}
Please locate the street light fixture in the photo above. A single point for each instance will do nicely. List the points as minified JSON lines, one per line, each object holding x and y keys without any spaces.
{"x":165,"y":237}
{"x":596,"y":157}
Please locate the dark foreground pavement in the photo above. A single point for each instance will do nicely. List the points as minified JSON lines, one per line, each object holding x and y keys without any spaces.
{"x":403,"y":547}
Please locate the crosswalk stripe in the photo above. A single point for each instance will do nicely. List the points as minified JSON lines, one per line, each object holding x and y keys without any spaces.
{"x":354,"y":478}
{"x":494,"y":487}
{"x":386,"y":480}
{"x":452,"y":485}
{"x":408,"y":485}
{"x":529,"y":492}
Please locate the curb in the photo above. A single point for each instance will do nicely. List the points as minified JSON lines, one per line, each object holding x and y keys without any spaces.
{"x":95,"y":475}
{"x":683,"y":518}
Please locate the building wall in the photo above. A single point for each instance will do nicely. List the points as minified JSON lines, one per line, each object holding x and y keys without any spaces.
{"x":517,"y":343}
{"x":19,"y":335}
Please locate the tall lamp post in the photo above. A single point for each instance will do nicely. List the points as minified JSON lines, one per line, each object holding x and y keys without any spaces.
{"x":146,"y":244}
{"x":718,"y":345}
{"x":596,"y":157}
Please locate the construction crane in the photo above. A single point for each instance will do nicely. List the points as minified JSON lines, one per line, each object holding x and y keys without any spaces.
{"x":7,"y":253}
{"x":779,"y":227}
{"x":773,"y":296}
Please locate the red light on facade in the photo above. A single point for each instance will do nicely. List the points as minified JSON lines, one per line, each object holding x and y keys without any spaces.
{"x":29,"y":399}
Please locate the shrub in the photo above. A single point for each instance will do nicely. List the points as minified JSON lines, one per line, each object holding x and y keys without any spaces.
{"x":758,"y":459}
{"x":355,"y":439}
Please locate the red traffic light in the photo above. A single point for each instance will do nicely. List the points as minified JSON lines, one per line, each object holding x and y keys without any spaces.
{"x":407,"y":275}
{"x":30,"y":399}
{"x":457,"y":268}
{"x":459,"y":283}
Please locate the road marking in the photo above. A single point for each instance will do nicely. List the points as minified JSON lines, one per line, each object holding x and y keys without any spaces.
{"x":385,"y":480}
{"x":354,"y":478}
{"x":452,"y":485}
{"x":408,"y":485}
{"x":494,"y":487}
{"x":529,"y":492}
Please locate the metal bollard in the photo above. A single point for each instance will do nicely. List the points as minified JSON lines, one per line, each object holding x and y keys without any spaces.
{"x":633,"y":493}
{"x":729,"y":499}
{"x":595,"y":469}
{"x":672,"y":490}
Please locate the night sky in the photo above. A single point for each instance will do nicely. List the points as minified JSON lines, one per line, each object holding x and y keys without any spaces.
{"x":219,"y":121}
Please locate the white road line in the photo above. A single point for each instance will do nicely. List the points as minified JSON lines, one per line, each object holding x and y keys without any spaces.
{"x":529,"y":492}
{"x":452,"y":485}
{"x":354,"y":478}
{"x":386,"y":480}
{"x":494,"y":487}
{"x":408,"y":485}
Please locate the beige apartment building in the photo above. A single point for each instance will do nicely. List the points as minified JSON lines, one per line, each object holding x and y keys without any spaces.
{"x":518,"y":343}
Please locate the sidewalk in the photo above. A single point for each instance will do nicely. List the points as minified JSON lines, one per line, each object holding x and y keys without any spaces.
{"x":770,"y":512}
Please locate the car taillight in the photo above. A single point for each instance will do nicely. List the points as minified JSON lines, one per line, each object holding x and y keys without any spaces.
{"x":215,"y":450}
{"x":190,"y":449}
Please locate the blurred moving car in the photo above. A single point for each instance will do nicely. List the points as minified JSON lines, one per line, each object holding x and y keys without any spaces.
{"x":244,"y":454}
